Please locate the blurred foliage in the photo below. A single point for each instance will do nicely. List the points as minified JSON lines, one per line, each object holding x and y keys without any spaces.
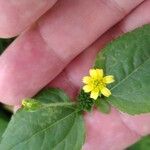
{"x":4,"y":120}
{"x":5,"y":115}
{"x":4,"y":44}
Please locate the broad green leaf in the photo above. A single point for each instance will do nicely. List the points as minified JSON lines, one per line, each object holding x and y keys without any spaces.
{"x":56,"y":126}
{"x":102,"y":105}
{"x":4,"y":43}
{"x":128,"y":59}
{"x":52,"y":95}
{"x":143,"y":144}
{"x":4,"y":120}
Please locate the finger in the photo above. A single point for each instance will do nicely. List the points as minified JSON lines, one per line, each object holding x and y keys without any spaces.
{"x":105,"y":131}
{"x":114,"y":131}
{"x":139,"y":124}
{"x":38,"y":55}
{"x":16,"y":16}
{"x":72,"y":75}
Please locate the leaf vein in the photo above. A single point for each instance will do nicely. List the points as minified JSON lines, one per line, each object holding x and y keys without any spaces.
{"x":129,"y":75}
{"x":26,"y":141}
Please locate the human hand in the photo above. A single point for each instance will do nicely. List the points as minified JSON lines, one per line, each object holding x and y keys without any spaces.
{"x":41,"y":53}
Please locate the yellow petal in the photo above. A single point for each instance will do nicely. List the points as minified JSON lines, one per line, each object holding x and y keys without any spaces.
{"x":87,"y":80}
{"x":99,"y":73}
{"x":108,"y":79}
{"x":87,"y":88}
{"x":106,"y":92}
{"x":93,"y":73}
{"x":94,"y":94}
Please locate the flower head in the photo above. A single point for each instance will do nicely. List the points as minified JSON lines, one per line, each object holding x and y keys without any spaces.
{"x":96,"y":83}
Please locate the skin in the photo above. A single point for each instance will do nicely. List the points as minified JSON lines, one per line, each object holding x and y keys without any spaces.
{"x":59,"y":40}
{"x":16,"y":15}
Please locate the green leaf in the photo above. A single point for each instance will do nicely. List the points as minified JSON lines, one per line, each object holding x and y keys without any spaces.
{"x":56,"y":126}
{"x":51,"y":95}
{"x":4,"y":120}
{"x":128,"y":59}
{"x":143,"y":144}
{"x":4,"y":43}
{"x":103,"y":106}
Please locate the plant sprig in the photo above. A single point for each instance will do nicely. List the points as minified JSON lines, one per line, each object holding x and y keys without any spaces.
{"x":51,"y":121}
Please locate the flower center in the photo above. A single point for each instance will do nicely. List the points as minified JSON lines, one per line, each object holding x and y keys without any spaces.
{"x":99,"y":83}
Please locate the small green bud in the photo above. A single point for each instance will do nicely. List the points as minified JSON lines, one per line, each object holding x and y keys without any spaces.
{"x":31,"y":104}
{"x":85,"y":102}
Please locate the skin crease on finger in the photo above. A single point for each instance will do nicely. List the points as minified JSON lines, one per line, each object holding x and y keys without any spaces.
{"x":17,"y":15}
{"x":40,"y":54}
{"x":117,"y":130}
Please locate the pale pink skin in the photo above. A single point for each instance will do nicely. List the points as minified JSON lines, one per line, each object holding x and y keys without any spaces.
{"x":40,"y":53}
{"x":16,"y":15}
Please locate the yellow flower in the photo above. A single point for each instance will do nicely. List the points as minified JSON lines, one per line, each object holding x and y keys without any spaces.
{"x":96,"y":83}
